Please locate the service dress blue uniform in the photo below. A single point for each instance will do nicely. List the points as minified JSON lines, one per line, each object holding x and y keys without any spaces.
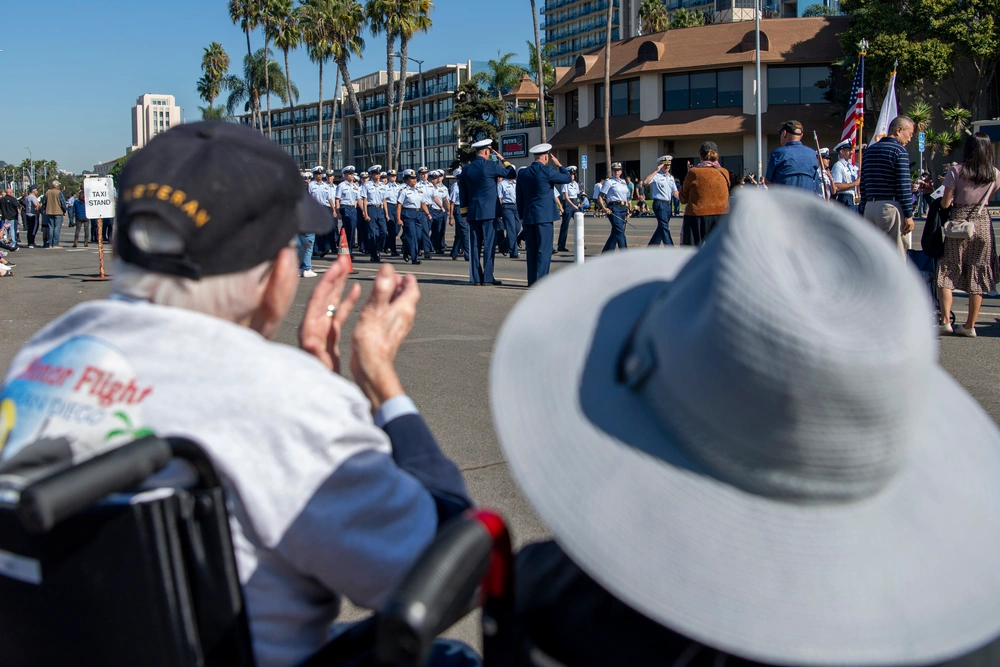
{"x":477,"y":187}
{"x":347,"y":200}
{"x":537,"y":207}
{"x":571,"y":200}
{"x":664,"y":188}
{"x":461,"y":244}
{"x":615,"y":193}
{"x":507,"y":191}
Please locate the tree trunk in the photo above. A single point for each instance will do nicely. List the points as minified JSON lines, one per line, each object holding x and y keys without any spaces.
{"x":267,"y":86}
{"x":346,"y":75}
{"x":333,"y":120}
{"x":254,"y":116}
{"x":291,"y":102}
{"x":404,"y":49}
{"x":541,"y":72}
{"x":319,"y":119}
{"x":390,"y":93}
{"x":607,"y":91}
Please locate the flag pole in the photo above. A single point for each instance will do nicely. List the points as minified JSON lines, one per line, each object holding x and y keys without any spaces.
{"x":861,"y":117}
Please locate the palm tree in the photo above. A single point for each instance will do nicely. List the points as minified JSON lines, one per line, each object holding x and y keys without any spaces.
{"x":920,"y":113}
{"x":684,"y":18}
{"x":214,"y":66}
{"x":607,"y":90}
{"x":246,"y":13}
{"x":316,"y":20}
{"x":286,"y":33}
{"x":386,"y":16}
{"x":267,"y":16}
{"x":503,"y":75}
{"x":415,"y":18}
{"x":548,"y":50}
{"x":348,"y":22}
{"x":958,"y":119}
{"x":653,"y":16}
{"x":539,"y":80}
{"x":248,"y":89}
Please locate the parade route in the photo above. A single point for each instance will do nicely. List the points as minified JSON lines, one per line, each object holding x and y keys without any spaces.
{"x":444,"y":364}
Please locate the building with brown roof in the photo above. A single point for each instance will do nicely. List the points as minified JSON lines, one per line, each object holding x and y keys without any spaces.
{"x":673,"y":90}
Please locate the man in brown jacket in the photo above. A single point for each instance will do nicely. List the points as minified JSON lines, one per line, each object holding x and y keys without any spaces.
{"x":55,"y":208}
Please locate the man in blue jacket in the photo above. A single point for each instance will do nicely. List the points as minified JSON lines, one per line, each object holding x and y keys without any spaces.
{"x":477,"y":188}
{"x":793,"y":163}
{"x":537,"y":208}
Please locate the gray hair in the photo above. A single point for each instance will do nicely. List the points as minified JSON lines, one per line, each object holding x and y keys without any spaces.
{"x":900,"y":122}
{"x":232,"y":297}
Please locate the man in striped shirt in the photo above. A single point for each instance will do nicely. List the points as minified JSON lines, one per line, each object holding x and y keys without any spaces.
{"x":886,"y":197}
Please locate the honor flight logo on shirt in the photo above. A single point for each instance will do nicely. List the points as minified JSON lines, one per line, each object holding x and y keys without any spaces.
{"x":85,"y":390}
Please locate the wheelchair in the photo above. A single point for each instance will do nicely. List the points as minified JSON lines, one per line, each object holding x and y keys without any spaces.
{"x":94,"y":570}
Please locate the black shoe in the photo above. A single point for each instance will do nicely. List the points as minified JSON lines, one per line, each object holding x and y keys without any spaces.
{"x":440,"y":252}
{"x":427,"y":255}
{"x":375,"y":260}
{"x":562,"y":249}
{"x":498,"y":282}
{"x":416,"y":261}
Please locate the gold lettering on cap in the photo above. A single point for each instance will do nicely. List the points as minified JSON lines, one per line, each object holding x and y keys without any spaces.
{"x":164,"y":192}
{"x":138,"y":191}
{"x":191,"y":208}
{"x":178,"y":197}
{"x":151,"y":189}
{"x":201,"y":218}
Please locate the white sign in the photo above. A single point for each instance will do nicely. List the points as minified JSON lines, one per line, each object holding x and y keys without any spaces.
{"x":583,"y":162}
{"x":99,"y":197}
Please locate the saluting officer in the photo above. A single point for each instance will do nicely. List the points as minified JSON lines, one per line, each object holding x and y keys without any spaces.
{"x":439,"y":210}
{"x":537,"y":199}
{"x":477,"y":191}
{"x":664,"y":190}
{"x":507,"y":191}
{"x":375,"y":213}
{"x":570,"y":205}
{"x":346,"y":203}
{"x":614,"y":195}
{"x":411,"y":211}
{"x":461,"y":243}
{"x":391,"y":199}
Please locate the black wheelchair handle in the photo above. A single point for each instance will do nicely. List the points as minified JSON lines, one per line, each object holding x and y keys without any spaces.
{"x":437,"y":592}
{"x":59,"y":496}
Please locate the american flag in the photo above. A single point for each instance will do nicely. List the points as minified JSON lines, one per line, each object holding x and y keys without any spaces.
{"x":856,"y":112}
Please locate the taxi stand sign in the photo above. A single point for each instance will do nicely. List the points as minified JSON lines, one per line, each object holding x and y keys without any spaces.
{"x":99,"y":197}
{"x":99,"y":205}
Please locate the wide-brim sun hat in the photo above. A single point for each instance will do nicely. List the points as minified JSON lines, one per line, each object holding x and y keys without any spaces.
{"x":754,"y":446}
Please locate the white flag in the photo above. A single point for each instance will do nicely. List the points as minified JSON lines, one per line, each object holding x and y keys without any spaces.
{"x":889,"y":111}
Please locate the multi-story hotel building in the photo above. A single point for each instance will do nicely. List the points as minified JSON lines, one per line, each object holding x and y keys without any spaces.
{"x":151,"y":115}
{"x":673,"y":90}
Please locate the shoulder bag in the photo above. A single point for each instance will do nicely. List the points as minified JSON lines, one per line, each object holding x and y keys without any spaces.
{"x":964,"y":229}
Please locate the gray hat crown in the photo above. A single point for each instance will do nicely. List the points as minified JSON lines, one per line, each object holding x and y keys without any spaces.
{"x":805,"y":417}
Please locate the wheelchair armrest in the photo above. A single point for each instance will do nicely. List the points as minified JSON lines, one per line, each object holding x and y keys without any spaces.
{"x":70,"y":490}
{"x":437,"y":592}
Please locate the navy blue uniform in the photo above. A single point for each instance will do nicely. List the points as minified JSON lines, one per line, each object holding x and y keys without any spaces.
{"x":477,"y":188}
{"x":537,"y":208}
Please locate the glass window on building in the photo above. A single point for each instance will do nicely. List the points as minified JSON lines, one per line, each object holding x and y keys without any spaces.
{"x":731,"y":88}
{"x":624,"y":98}
{"x":798,"y":85}
{"x":676,"y":93}
{"x":703,"y":90}
{"x":572,"y":107}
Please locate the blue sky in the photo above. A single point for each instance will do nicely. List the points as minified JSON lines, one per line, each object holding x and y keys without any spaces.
{"x":69,"y":97}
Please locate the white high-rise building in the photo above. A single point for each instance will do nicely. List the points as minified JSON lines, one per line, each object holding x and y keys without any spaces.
{"x":151,"y":115}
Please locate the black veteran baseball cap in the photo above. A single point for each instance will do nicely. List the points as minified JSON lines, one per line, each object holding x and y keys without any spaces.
{"x":233,"y":197}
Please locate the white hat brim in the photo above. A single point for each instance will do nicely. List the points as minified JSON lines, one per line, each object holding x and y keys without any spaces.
{"x":907,"y":576}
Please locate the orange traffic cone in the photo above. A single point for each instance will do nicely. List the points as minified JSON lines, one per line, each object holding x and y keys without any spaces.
{"x":346,"y":250}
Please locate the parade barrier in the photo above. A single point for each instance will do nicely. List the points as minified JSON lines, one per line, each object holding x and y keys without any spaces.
{"x":578,"y":242}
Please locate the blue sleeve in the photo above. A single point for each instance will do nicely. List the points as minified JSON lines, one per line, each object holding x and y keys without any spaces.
{"x":558,"y":176}
{"x":463,"y":192}
{"x":771,"y":164}
{"x":519,"y":196}
{"x":415,"y":450}
{"x":362,"y":530}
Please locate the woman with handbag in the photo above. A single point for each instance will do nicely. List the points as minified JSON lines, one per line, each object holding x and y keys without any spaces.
{"x":970,"y":257}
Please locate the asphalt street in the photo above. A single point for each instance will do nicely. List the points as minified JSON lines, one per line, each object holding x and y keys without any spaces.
{"x":444,"y":364}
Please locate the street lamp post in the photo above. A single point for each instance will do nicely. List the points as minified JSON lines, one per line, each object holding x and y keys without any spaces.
{"x":420,"y":116}
{"x":31,"y":160}
{"x":758,"y":6}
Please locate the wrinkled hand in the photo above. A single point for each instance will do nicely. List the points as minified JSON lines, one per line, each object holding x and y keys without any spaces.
{"x":383,"y":324}
{"x":907,"y":226}
{"x":319,"y":334}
